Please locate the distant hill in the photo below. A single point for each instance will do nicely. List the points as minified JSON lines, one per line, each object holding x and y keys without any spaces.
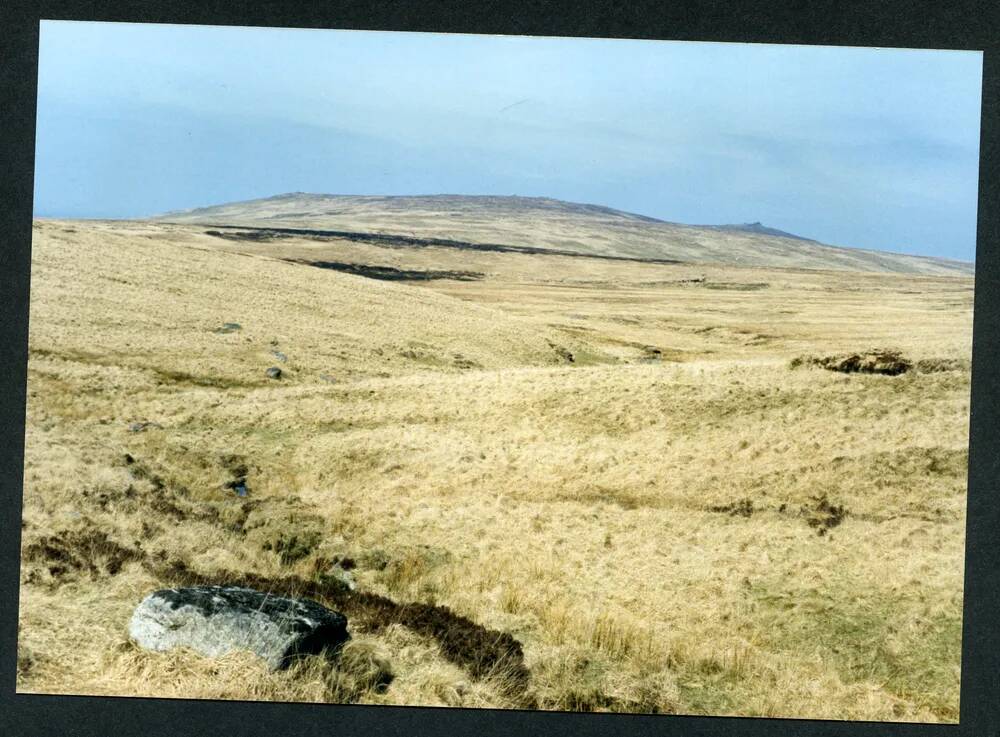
{"x":762,"y":230}
{"x":550,"y":224}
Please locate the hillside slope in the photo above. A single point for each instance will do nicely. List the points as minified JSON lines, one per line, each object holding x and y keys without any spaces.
{"x":555,"y":225}
{"x":699,"y":527}
{"x":323,"y":322}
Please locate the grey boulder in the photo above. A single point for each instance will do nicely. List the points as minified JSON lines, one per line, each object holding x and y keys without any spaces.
{"x":214,"y":620}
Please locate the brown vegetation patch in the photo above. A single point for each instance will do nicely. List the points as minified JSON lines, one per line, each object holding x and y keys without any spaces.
{"x":886,"y":362}
{"x":390,"y":273}
{"x":90,"y":551}
{"x":741,"y":508}
{"x":823,"y":515}
{"x":387,"y":240}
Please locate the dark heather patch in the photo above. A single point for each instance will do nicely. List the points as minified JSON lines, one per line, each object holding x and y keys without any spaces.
{"x":233,"y":463}
{"x":742,"y":508}
{"x":293,"y":546}
{"x":346,"y":563}
{"x":168,"y":508}
{"x":389,"y":273}
{"x":482,"y":652}
{"x":88,"y":551}
{"x":824,"y":515}
{"x":242,"y":233}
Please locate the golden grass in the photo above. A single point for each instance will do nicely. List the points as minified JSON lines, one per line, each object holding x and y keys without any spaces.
{"x":570,"y":505}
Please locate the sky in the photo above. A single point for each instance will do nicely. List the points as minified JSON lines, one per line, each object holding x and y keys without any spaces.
{"x":873,"y":148}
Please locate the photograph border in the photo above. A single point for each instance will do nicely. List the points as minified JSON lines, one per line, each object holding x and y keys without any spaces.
{"x":959,"y":25}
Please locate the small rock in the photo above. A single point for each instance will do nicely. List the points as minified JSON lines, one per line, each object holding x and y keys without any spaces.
{"x":229,"y":327}
{"x":214,"y":620}
{"x":328,"y":379}
{"x":143,"y":426}
{"x":274,"y":373}
{"x":280,"y":356}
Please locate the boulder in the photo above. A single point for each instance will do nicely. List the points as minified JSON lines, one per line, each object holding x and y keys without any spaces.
{"x":214,"y":620}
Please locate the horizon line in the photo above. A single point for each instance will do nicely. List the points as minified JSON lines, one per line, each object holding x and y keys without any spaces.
{"x":788,"y":234}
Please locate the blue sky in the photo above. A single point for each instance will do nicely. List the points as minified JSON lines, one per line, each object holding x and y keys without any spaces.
{"x":875,"y":148}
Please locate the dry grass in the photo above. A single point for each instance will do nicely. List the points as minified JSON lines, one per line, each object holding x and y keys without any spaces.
{"x":656,"y":531}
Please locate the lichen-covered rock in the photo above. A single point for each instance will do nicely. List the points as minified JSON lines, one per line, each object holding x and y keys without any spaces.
{"x":214,"y":620}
